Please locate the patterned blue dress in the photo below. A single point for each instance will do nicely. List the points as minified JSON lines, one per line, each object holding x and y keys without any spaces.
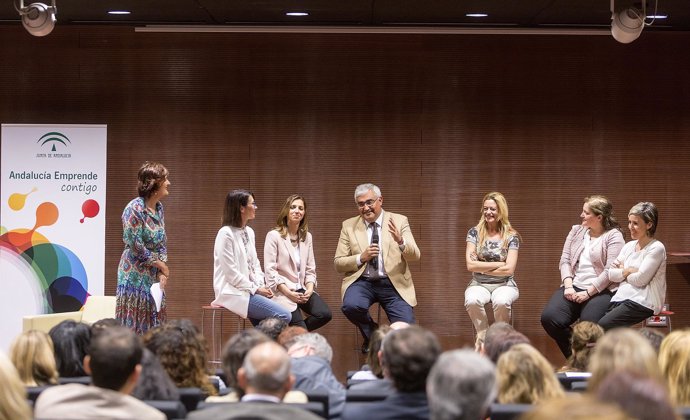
{"x":145,"y":242}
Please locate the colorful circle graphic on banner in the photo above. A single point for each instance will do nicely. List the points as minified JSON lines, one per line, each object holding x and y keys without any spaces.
{"x":90,"y":208}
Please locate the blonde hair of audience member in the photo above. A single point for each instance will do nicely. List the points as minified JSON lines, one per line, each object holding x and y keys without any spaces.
{"x":33,"y":356}
{"x":622,"y":349}
{"x":674,"y":361}
{"x":374,"y":346}
{"x":584,"y":407}
{"x":13,"y":404}
{"x":582,"y":342}
{"x":524,"y":376}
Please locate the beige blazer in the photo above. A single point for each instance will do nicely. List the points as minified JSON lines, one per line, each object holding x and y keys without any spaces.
{"x":280,"y":266}
{"x":353,"y":240}
{"x":231,"y":281}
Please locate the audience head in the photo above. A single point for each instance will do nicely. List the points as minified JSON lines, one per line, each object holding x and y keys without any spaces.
{"x":374,"y":346}
{"x":33,"y":356}
{"x":461,"y":386}
{"x":311,"y":344}
{"x":235,"y":202}
{"x":641,"y":397}
{"x":654,"y":336}
{"x":266,"y":370}
{"x":495,"y":330}
{"x":500,"y":343}
{"x":13,"y":403}
{"x":272,"y":327}
{"x":601,"y":206}
{"x":103,"y":324}
{"x":150,"y":177}
{"x":287,"y":336}
{"x":154,"y":382}
{"x":235,"y":351}
{"x":525,"y":377}
{"x":622,"y":349}
{"x":648,"y":214}
{"x":407,"y":356}
{"x":399,"y":325}
{"x":674,"y":361}
{"x":70,"y":342}
{"x":282,"y":222}
{"x":583,"y":407}
{"x":582,"y":342}
{"x":113,"y":359}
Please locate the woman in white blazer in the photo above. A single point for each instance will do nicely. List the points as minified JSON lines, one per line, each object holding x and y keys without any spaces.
{"x":641,"y":271}
{"x":237,"y":277}
{"x":290,"y":267}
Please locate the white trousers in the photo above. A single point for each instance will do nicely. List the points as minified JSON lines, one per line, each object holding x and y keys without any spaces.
{"x":501,"y":296}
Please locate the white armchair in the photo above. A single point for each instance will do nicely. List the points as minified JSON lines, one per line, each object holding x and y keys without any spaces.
{"x":95,"y":308}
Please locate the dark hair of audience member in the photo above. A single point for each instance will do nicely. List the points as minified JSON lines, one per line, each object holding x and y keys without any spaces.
{"x":408,"y":355}
{"x":70,"y":342}
{"x":374,"y":346}
{"x":500,"y":343}
{"x":582,"y":342}
{"x":654,"y":336}
{"x":272,"y":327}
{"x":286,"y":338}
{"x":584,"y":407}
{"x":181,"y":349}
{"x":235,"y":351}
{"x":641,"y":397}
{"x":103,"y":324}
{"x":154,"y":382}
{"x":114,"y":354}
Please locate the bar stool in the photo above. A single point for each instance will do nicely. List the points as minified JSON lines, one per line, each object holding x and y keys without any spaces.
{"x":358,"y":334}
{"x":217,"y":330}
{"x":662,"y":319}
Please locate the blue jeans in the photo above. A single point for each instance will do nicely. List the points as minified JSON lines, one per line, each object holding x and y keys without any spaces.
{"x":261,"y":308}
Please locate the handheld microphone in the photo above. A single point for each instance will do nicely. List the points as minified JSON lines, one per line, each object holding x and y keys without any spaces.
{"x":375,"y":240}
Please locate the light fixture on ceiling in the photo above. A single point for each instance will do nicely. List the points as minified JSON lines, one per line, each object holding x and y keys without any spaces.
{"x":476,"y":15}
{"x":296,"y":14}
{"x":38,"y":18}
{"x":119,"y":12}
{"x":627,"y":23}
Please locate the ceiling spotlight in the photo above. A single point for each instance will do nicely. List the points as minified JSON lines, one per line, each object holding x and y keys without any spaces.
{"x":38,"y":18}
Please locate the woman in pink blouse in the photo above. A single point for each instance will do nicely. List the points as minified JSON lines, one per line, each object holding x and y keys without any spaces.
{"x":586,"y":289}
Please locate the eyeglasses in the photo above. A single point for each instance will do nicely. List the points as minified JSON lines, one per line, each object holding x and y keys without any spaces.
{"x":368,"y":203}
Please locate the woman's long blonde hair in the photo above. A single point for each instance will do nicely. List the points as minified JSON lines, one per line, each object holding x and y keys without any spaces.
{"x":674,"y":361}
{"x":504,"y":226}
{"x":13,"y":405}
{"x":34,"y":357}
{"x":524,"y":376}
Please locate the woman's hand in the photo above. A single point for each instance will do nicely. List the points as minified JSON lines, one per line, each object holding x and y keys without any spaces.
{"x":162,"y":267}
{"x":473,"y":256}
{"x":163,"y":280}
{"x":581,"y":297}
{"x":628,"y":271}
{"x":569,"y":293}
{"x":265,"y":292}
{"x":293,"y":296}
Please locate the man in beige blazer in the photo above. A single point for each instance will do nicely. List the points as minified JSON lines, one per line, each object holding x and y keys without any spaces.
{"x":373,"y":251}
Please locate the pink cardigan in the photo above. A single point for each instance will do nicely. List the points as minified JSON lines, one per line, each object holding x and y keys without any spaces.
{"x":611,"y":244}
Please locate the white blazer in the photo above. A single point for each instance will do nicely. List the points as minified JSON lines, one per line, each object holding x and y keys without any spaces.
{"x":231,"y":281}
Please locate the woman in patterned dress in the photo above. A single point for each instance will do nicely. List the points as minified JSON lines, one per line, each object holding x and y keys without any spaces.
{"x":491,"y":256}
{"x":144,"y":260}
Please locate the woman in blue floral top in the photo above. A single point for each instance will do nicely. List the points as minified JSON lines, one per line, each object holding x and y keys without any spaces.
{"x":144,"y":260}
{"x":491,"y":256}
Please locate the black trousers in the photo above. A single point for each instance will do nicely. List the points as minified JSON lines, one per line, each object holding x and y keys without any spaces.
{"x":318,"y":311}
{"x":624,"y":314}
{"x":560,"y":313}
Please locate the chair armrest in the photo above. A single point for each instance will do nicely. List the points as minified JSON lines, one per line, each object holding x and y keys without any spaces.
{"x":45,"y":322}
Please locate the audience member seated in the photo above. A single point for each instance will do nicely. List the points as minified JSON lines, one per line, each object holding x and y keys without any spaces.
{"x":461,"y":386}
{"x":525,"y":377}
{"x":113,"y":363}
{"x":581,"y":408}
{"x":311,"y":364}
{"x":33,"y":356}
{"x":103,"y":324}
{"x":582,"y":341}
{"x":286,"y":337}
{"x":496,"y":329}
{"x":674,"y":361}
{"x":654,"y":336}
{"x":622,"y":349}
{"x":642,"y":398}
{"x":407,"y":356}
{"x":500,"y":343}
{"x":181,"y":349}
{"x":272,"y":327}
{"x":13,"y":402}
{"x":154,"y":382}
{"x":70,"y":341}
{"x":372,"y":370}
{"x":265,"y":378}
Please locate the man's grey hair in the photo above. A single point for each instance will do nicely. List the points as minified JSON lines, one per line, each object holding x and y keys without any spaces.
{"x":317,"y":342}
{"x":461,"y":386}
{"x":364,"y":188}
{"x":261,"y":377}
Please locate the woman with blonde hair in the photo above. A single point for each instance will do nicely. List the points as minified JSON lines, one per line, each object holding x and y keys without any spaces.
{"x":674,"y":361}
{"x":290,"y":266}
{"x":622,"y":349}
{"x":583,"y":341}
{"x":33,"y":355}
{"x":524,"y":376}
{"x":13,"y":403}
{"x":491,"y":256}
{"x":586,"y":289}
